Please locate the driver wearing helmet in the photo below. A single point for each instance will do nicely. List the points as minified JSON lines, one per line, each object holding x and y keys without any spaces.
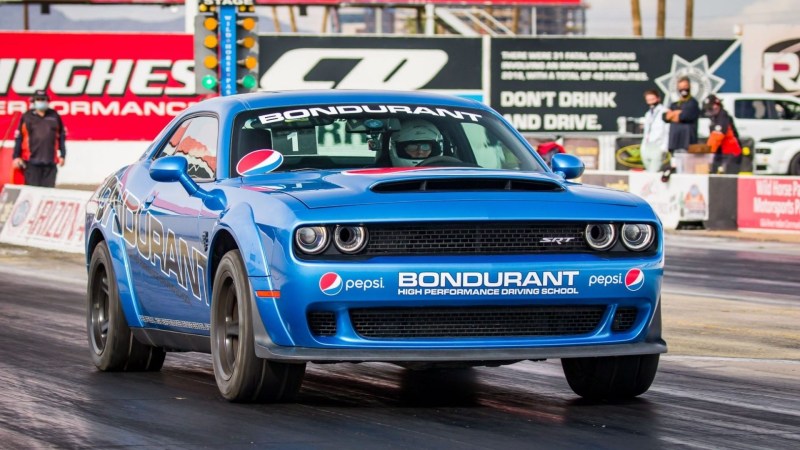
{"x":417,"y":140}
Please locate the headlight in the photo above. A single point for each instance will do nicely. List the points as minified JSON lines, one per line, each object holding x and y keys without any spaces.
{"x":311,"y":240}
{"x":600,"y":236}
{"x":350,"y":239}
{"x":637,"y":236}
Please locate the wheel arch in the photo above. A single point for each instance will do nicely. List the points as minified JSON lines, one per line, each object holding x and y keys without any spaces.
{"x":119,"y":263}
{"x":237,"y":230}
{"x":95,"y":237}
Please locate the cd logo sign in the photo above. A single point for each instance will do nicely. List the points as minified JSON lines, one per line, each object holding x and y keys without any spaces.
{"x":331,"y":283}
{"x":634,"y":279}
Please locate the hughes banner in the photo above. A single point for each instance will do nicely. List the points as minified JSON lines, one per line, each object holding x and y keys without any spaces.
{"x":443,"y":64}
{"x":592,"y":85}
{"x":106,"y":86}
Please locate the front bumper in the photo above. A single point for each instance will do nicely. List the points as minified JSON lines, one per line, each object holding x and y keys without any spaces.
{"x":290,"y":337}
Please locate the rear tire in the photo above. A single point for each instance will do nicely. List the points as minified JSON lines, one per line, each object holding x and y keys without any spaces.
{"x":241,"y":375}
{"x":111,"y":344}
{"x":610,"y":377}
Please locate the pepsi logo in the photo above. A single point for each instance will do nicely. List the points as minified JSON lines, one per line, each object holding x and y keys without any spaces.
{"x":331,"y":283}
{"x":259,"y":162}
{"x":634,"y":279}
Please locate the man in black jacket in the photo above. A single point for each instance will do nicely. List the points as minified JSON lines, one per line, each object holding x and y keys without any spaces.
{"x":40,"y":144}
{"x":682,"y":117}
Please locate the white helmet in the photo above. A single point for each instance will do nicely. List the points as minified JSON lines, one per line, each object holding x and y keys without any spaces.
{"x":417,"y":140}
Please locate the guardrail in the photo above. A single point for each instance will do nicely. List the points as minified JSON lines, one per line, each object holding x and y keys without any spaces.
{"x":720,"y":202}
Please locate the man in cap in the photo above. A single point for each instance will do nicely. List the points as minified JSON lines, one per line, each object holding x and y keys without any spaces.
{"x":40,"y":142}
{"x":722,"y":138}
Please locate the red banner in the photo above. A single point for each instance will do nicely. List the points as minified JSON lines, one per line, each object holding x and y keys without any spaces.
{"x":105,"y":86}
{"x":769,"y":203}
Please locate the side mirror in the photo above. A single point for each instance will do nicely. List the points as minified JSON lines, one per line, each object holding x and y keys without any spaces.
{"x":170,"y":169}
{"x":568,"y":166}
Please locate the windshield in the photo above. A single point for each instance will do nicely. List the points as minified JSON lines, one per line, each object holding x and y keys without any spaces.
{"x":375,"y":135}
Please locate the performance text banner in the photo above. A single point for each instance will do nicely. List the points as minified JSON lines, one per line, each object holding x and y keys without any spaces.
{"x":105,"y":86}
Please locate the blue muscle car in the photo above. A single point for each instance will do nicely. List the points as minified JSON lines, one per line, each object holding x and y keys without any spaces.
{"x":276,"y":229}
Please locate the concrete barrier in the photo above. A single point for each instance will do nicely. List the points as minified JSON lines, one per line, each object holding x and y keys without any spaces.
{"x":46,"y":218}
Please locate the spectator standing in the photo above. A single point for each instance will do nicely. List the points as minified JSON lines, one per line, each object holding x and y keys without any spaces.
{"x":682,"y":116}
{"x":40,"y":142}
{"x":723,"y":139}
{"x":656,"y":131}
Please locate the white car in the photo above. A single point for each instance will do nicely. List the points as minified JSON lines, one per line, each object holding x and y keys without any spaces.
{"x":777,"y":157}
{"x":761,"y":115}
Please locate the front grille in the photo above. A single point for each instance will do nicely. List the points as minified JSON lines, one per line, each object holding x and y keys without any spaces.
{"x":407,"y":323}
{"x":474,"y":238}
{"x":624,"y":318}
{"x":321,"y":323}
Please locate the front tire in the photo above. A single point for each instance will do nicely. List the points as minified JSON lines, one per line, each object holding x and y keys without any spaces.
{"x":610,"y":377}
{"x":111,"y":344}
{"x":241,"y":375}
{"x":794,"y":165}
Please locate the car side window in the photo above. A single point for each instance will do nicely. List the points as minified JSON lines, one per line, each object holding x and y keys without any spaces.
{"x":787,"y":110}
{"x":753,"y":109}
{"x":196,"y":140}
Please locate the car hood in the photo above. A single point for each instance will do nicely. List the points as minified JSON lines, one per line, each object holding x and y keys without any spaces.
{"x":326,"y":189}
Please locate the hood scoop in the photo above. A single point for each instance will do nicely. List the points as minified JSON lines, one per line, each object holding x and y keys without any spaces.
{"x":466,"y":184}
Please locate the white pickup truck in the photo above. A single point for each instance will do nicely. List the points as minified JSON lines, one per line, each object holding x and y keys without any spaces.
{"x":773,"y":121}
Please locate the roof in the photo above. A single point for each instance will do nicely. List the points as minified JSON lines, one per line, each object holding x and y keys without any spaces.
{"x":755,"y":95}
{"x":308,"y":97}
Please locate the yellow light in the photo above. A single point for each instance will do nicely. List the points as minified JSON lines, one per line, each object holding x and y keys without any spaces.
{"x":248,"y":42}
{"x":248,"y":23}
{"x":202,"y":8}
{"x":251,"y":8}
{"x":210,"y":61}
{"x":211,"y":41}
{"x":250,"y":62}
{"x":242,"y":8}
{"x":210,"y":23}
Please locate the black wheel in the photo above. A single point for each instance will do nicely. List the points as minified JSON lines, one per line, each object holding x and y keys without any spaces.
{"x":111,"y":343}
{"x":610,"y":377}
{"x":241,"y":375}
{"x":794,"y":165}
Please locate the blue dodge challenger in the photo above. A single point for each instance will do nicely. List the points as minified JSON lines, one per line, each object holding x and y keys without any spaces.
{"x":276,"y":229}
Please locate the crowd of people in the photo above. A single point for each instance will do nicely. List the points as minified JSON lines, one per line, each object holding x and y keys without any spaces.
{"x":673,"y":131}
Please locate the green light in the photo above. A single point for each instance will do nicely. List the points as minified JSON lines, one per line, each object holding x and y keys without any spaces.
{"x":209,"y":82}
{"x":248,"y":81}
